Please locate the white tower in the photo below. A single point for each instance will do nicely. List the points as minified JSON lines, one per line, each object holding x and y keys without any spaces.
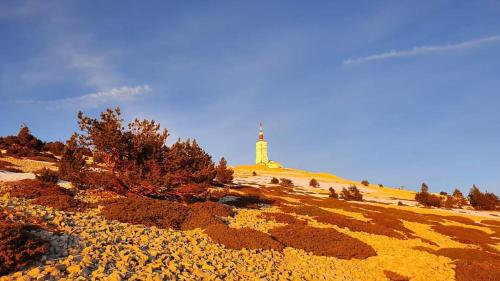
{"x":261,"y":149}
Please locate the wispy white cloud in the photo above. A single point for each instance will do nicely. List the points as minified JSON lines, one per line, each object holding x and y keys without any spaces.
{"x":121,"y":94}
{"x":424,"y":50}
{"x":71,"y":61}
{"x":94,"y":67}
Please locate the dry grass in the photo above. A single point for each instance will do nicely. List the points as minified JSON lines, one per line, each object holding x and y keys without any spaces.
{"x":29,"y":166}
{"x":9,"y":167}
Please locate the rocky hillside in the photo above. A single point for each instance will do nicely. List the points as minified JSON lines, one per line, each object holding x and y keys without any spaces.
{"x":257,"y":230}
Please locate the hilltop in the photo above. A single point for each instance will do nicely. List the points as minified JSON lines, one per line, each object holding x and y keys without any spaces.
{"x":119,"y":204}
{"x":372,"y":193}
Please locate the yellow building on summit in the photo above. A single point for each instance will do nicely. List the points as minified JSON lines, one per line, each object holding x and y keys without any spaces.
{"x":261,"y":152}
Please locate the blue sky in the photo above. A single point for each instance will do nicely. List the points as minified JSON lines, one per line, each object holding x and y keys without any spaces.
{"x":396,"y":92}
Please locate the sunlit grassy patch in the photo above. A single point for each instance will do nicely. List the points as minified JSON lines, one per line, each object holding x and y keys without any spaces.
{"x":30,"y":166}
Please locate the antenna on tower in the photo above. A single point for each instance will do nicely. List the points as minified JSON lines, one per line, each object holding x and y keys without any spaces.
{"x":261,"y":133}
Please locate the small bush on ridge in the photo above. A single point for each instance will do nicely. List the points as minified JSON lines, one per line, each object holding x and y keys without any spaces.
{"x":352,"y":193}
{"x":483,"y":201}
{"x":427,"y":199}
{"x":286,"y":182}
{"x":333,"y":194}
{"x":313,"y":183}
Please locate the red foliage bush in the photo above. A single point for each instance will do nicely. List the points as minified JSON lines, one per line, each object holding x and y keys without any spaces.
{"x":458,"y":199}
{"x":491,"y":222}
{"x":203,"y":214}
{"x":99,"y":180}
{"x":141,"y":161}
{"x":145,"y":211}
{"x":30,"y":189}
{"x":18,"y":247}
{"x":467,"y":254}
{"x":72,"y":163}
{"x":161,"y":213}
{"x":483,"y":201}
{"x":427,"y":199}
{"x":472,"y":264}
{"x":22,"y":145}
{"x":286,"y":182}
{"x":46,"y":194}
{"x":55,"y":147}
{"x":322,"y":242}
{"x":223,"y":173}
{"x":46,"y":175}
{"x":467,"y":270}
{"x":61,"y":202}
{"x":166,"y":214}
{"x":238,"y":239}
{"x":380,"y":224}
{"x":351,"y":194}
{"x":333,"y":194}
{"x":313,"y":183}
{"x":186,"y":162}
{"x":464,"y":234}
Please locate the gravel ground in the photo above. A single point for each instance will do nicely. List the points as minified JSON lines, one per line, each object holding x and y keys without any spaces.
{"x":90,"y":247}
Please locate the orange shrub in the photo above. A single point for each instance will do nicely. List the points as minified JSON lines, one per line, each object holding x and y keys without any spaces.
{"x":223,"y":173}
{"x":18,"y":247}
{"x":351,"y":194}
{"x":322,"y":242}
{"x":238,"y":239}
{"x":333,"y":194}
{"x":46,"y":175}
{"x":483,"y":201}
{"x":313,"y":183}
{"x":286,"y":182}
{"x":427,"y":199}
